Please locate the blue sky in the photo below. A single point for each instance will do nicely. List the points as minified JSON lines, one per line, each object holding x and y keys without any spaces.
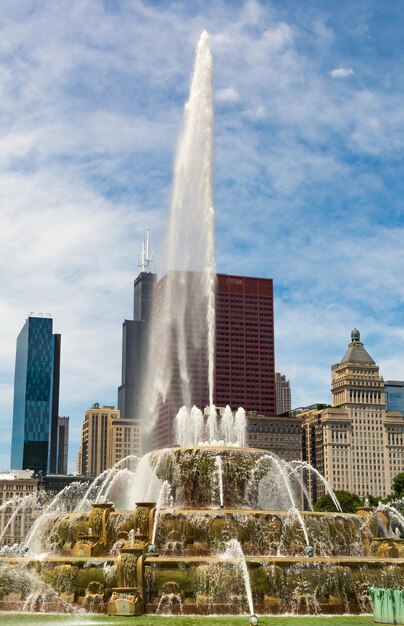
{"x":309,"y":138}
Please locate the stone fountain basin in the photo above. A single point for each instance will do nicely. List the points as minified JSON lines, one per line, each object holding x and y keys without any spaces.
{"x":212,"y":584}
{"x":202,"y":532}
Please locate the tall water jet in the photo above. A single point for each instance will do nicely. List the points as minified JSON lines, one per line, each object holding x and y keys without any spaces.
{"x":183,"y":319}
{"x":240,"y":426}
{"x":182,"y":424}
{"x":163,"y":499}
{"x":227,"y":424}
{"x":197,"y":425}
{"x":219,"y":470}
{"x":235,"y":551}
{"x":212,"y":423}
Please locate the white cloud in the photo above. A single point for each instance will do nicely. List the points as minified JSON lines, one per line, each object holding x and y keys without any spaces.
{"x":341,"y":72}
{"x":228,"y":94}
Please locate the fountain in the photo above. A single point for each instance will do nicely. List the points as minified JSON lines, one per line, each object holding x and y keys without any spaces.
{"x":208,"y":526}
{"x":216,"y":528}
{"x":186,"y":303}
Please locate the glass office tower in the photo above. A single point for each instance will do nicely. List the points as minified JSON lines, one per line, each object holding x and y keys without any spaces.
{"x":36,"y":397}
{"x":394,"y":395}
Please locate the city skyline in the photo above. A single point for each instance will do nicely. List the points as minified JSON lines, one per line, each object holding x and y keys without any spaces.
{"x":308,"y":187}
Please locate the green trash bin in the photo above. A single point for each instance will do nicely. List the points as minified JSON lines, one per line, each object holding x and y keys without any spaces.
{"x":399,"y":605}
{"x":376,"y":595}
{"x":388,"y":608}
{"x":388,"y":605}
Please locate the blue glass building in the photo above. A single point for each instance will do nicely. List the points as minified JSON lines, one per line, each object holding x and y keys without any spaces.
{"x":394,"y":395}
{"x":36,"y":397}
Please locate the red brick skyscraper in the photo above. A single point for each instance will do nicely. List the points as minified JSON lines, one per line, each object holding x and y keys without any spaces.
{"x":244,"y":354}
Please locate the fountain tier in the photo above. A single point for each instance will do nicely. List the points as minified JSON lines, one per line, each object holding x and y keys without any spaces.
{"x":179,"y":555}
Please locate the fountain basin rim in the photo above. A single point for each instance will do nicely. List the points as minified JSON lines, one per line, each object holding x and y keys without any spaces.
{"x":238,"y":511}
{"x":59,"y":559}
{"x":212,"y":559}
{"x":210,"y":447}
{"x":210,"y":511}
{"x":262,"y":560}
{"x":102,"y":505}
{"x":383,"y":539}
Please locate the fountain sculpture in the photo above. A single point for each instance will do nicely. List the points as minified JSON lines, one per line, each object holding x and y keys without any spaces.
{"x":213,"y":528}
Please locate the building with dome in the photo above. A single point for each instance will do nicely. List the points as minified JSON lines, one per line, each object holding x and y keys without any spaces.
{"x":356,"y":444}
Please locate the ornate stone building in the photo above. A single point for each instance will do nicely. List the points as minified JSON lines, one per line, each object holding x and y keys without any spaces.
{"x":283,"y":394}
{"x":17,"y":487}
{"x":106,"y":438}
{"x":281,"y":435}
{"x":355,"y":444}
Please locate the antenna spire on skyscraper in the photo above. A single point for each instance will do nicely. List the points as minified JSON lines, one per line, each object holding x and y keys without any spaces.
{"x":146,"y":258}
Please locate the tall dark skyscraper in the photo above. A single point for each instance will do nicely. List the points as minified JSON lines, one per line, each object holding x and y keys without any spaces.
{"x":244,"y":354}
{"x":63,"y":445}
{"x":134,"y":340}
{"x":195,"y":349}
{"x":36,"y":397}
{"x":245,"y":351}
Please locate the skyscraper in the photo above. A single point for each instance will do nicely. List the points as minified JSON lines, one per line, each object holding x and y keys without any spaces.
{"x":244,"y":354}
{"x":36,"y":397}
{"x":94,"y":444}
{"x":106,"y":439}
{"x":283,"y":395}
{"x":63,"y":445}
{"x":394,"y":394}
{"x":356,"y":444}
{"x":135,"y":338}
{"x":184,"y":357}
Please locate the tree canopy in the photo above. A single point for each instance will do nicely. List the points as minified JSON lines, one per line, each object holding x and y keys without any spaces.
{"x":398,"y":485}
{"x":349,"y":502}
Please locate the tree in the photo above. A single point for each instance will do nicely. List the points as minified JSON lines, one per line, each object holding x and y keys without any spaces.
{"x":349,"y":502}
{"x":398,"y":485}
{"x":373,"y":500}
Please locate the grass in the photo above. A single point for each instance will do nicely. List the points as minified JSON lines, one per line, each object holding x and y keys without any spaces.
{"x":22,"y":619}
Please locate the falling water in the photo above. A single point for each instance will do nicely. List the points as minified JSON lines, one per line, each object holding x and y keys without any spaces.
{"x":92,"y":491}
{"x":227,"y":424}
{"x":396,"y":518}
{"x":296,"y":472}
{"x":240,"y":426}
{"x":212,"y":422}
{"x":282,"y":471}
{"x":192,"y":428}
{"x":164,"y":496}
{"x":33,"y":539}
{"x":294,"y":508}
{"x":183,"y":430}
{"x":21,"y":503}
{"x":143,"y":483}
{"x":184,"y":319}
{"x":219,"y":469}
{"x":154,"y":482}
{"x":234,"y":550}
{"x":130,"y":460}
{"x":197,"y":424}
{"x":328,"y":488}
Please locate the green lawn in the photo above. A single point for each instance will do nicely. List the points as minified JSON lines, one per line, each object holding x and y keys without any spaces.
{"x":17,"y":619}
